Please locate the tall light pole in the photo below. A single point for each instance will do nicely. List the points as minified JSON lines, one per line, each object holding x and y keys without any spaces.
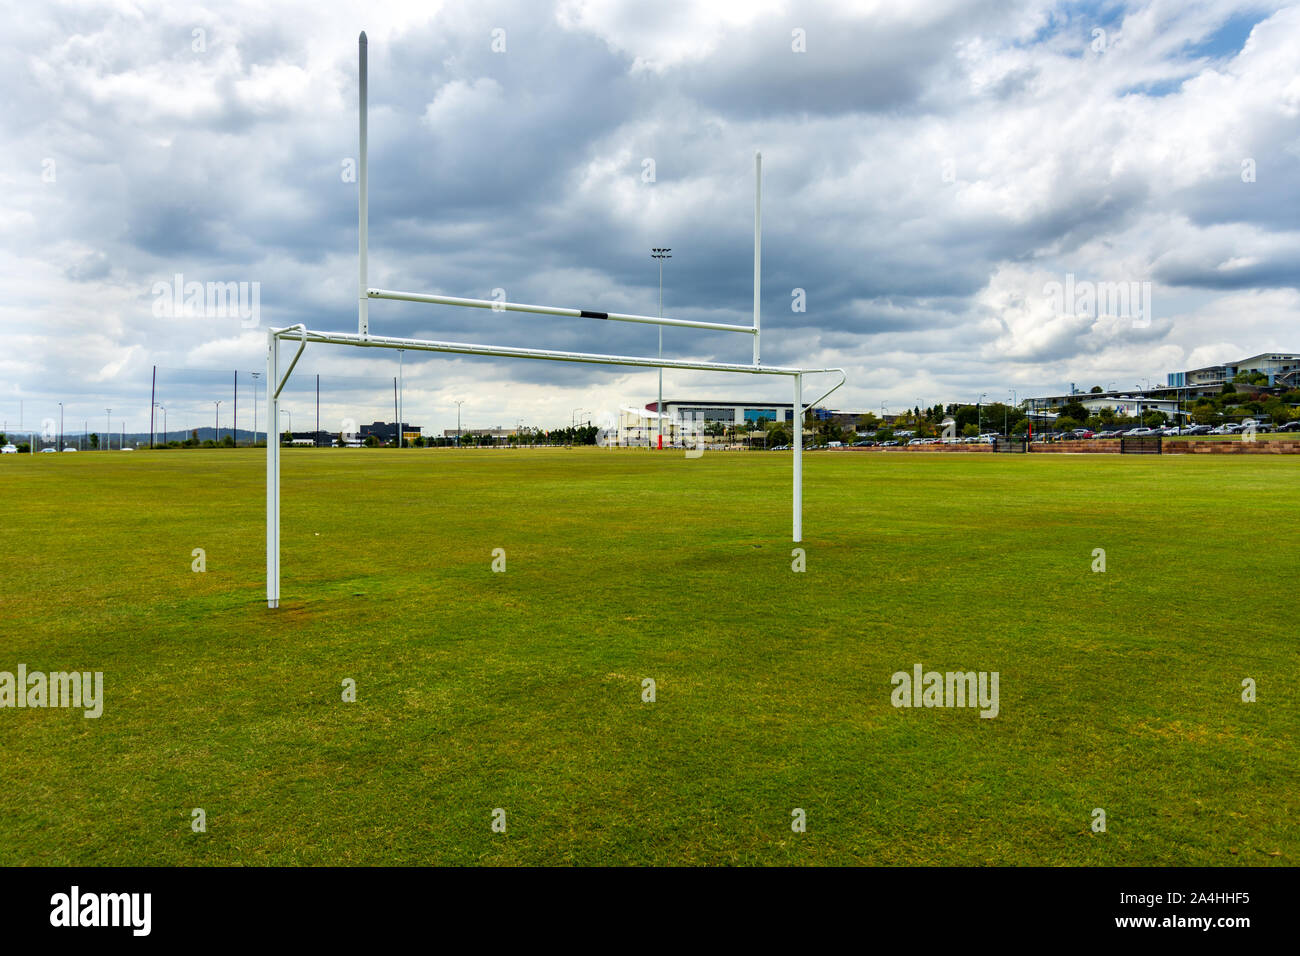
{"x":108,"y":430}
{"x":288,"y":414}
{"x":1004,"y":414}
{"x":458,"y":405}
{"x":256,"y":375}
{"x":661,"y":255}
{"x":979,"y":419}
{"x":60,"y":426}
{"x":216,"y":422}
{"x":401,"y":402}
{"x":163,"y":408}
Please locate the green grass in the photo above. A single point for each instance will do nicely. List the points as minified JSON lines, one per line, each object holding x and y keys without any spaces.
{"x":522,"y":690}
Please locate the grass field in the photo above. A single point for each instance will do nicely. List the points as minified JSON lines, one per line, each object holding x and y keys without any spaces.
{"x":479,"y":690}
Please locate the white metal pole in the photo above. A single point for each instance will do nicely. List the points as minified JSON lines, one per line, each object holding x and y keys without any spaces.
{"x":401,"y":402}
{"x":363,"y":199}
{"x":758,"y":250}
{"x":659,"y":405}
{"x":272,"y":473}
{"x":798,"y":458}
{"x":108,"y":429}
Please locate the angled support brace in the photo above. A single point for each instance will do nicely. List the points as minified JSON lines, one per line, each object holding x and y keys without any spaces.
{"x":296,"y":355}
{"x":843,"y":378}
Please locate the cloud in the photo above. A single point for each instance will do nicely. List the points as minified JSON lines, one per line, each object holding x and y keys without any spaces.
{"x":929,"y":169}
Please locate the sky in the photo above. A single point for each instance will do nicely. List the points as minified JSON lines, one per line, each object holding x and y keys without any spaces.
{"x":936,"y":175}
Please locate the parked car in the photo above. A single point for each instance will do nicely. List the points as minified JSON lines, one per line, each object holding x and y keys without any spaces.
{"x":1290,"y":427}
{"x":69,"y":449}
{"x":47,"y":451}
{"x":9,"y":450}
{"x":888,"y":444}
{"x":1198,"y":430}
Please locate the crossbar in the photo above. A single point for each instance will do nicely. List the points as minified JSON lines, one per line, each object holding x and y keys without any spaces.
{"x":497,"y":306}
{"x":505,"y":351}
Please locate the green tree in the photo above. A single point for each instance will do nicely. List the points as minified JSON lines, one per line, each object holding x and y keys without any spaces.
{"x":94,"y":439}
{"x":1075,"y":410}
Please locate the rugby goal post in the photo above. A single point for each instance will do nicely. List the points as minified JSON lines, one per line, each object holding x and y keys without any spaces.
{"x":300,"y":336}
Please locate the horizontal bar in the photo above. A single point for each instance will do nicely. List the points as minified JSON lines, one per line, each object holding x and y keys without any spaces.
{"x":503,"y":351}
{"x":552,"y":310}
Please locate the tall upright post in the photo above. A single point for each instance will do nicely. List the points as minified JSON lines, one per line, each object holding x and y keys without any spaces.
{"x":272,"y":471}
{"x":235,"y":430}
{"x":661,"y":253}
{"x":798,"y":458}
{"x":363,"y":199}
{"x":758,"y":252}
{"x":153,"y":400}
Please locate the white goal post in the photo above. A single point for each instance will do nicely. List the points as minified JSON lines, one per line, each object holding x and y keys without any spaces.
{"x":300,"y":336}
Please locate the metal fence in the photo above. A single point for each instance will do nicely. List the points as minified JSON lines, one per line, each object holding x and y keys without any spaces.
{"x":1148,"y":445}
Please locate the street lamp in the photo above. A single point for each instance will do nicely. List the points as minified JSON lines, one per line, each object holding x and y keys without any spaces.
{"x":458,"y":405}
{"x":401,"y":402}
{"x":163,"y":408}
{"x":60,"y":426}
{"x":216,"y":423}
{"x":288,"y":414}
{"x":573,"y":423}
{"x":979,"y":419}
{"x":661,"y":255}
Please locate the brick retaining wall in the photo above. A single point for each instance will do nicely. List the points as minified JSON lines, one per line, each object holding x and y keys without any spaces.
{"x":1096,"y":446}
{"x":1234,"y":446}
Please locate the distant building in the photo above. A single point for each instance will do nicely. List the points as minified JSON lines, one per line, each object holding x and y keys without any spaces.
{"x":317,"y":439}
{"x":728,"y":413}
{"x":479,"y":432}
{"x":1276,"y":365}
{"x":387,"y":431}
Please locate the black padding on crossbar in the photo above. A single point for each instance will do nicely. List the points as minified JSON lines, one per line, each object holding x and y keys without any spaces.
{"x":594,"y":315}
